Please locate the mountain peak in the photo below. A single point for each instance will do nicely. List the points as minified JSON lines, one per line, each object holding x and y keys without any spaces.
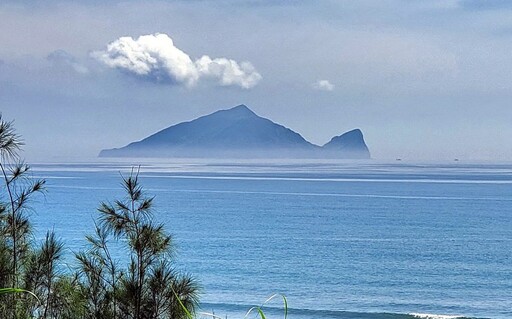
{"x":241,"y":109}
{"x":349,"y":142}
{"x":356,"y":133}
{"x":238,"y":112}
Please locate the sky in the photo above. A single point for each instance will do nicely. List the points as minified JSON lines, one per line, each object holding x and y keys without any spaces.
{"x":423,"y":80}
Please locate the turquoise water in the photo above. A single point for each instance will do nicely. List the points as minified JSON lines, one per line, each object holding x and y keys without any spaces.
{"x":340,"y":240}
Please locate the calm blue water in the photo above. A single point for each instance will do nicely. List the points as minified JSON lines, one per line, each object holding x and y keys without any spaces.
{"x":340,"y":240}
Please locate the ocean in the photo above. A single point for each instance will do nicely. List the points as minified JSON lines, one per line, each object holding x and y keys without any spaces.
{"x":339,"y":239}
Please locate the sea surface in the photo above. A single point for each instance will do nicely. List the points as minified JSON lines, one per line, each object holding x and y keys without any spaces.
{"x":339,"y":239}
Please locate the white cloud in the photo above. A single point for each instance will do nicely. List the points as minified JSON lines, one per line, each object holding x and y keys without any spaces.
{"x":323,"y":85}
{"x":156,"y":58}
{"x":228,"y":71}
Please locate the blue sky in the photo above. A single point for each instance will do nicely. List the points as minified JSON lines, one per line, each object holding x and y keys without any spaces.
{"x":424,"y":80}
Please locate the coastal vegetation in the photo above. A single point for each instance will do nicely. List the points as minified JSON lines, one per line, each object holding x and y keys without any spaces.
{"x":35,"y":281}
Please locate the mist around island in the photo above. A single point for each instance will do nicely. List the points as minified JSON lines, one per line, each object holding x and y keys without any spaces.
{"x":239,"y":133}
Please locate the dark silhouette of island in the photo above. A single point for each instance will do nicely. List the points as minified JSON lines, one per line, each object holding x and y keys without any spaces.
{"x":351,"y":142}
{"x":240,"y":133}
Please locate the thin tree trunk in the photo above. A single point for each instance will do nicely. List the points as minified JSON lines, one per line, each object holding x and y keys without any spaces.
{"x":52,"y":253}
{"x":48,"y":298}
{"x":14,"y":240}
{"x":114,"y":292}
{"x":138,"y":295}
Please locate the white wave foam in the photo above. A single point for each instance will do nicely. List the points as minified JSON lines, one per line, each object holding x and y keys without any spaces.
{"x":434,"y":316}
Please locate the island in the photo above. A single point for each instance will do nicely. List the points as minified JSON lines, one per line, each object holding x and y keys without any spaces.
{"x":238,"y":132}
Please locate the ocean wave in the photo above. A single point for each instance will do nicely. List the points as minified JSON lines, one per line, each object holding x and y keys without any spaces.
{"x":296,"y":313}
{"x":435,"y":316}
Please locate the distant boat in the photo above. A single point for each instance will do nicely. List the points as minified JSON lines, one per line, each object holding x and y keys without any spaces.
{"x":456,"y":160}
{"x":398,"y":159}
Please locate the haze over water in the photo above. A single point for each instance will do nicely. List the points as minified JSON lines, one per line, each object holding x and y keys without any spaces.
{"x":339,"y":239}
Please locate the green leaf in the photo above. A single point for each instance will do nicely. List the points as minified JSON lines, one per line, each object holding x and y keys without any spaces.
{"x":16,"y":291}
{"x":189,"y":315}
{"x":260,"y":311}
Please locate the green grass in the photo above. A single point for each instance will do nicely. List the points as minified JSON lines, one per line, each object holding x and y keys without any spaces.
{"x":257,"y":309}
{"x":16,"y":291}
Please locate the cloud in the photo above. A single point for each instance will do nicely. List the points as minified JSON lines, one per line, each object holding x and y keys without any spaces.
{"x":154,"y":57}
{"x":323,"y":85}
{"x":64,"y":59}
{"x":228,"y":71}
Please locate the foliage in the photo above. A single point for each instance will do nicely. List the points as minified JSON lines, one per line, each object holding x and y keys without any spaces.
{"x":16,"y":251}
{"x":100,"y":288}
{"x":144,"y":288}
